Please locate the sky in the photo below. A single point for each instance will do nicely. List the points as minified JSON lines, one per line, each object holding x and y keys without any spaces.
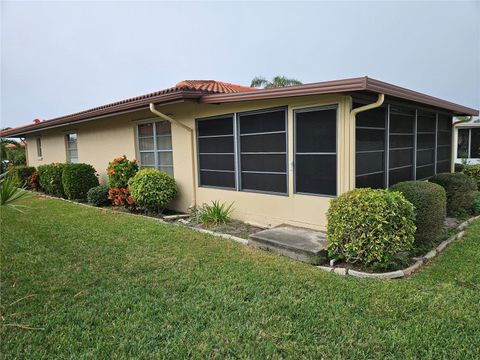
{"x":64,"y":56}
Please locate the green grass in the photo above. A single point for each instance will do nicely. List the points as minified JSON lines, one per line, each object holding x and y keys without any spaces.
{"x":105,"y":285}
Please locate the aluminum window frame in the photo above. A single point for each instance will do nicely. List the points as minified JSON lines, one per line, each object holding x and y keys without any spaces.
{"x":312,"y":109}
{"x":197,"y":144}
{"x":155,"y":150}
{"x":69,"y":149}
{"x":239,"y":152}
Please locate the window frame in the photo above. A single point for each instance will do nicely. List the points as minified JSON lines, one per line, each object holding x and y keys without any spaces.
{"x":68,"y":149}
{"x":155,"y":150}
{"x":197,"y":144}
{"x":238,"y":152}
{"x":312,"y":109}
{"x":38,"y":141}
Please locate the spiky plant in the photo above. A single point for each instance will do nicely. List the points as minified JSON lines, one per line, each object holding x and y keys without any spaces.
{"x":10,"y":193}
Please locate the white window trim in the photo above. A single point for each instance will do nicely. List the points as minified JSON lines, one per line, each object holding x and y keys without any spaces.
{"x":67,"y":147}
{"x":38,"y":140}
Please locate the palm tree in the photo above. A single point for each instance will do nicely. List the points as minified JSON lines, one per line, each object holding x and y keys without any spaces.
{"x":277,"y":81}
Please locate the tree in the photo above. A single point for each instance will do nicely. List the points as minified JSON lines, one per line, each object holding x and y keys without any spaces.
{"x":277,"y":81}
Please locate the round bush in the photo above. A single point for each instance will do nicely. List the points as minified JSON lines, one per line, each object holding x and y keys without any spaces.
{"x":430,"y":202}
{"x":460,"y":190}
{"x":152,"y":189}
{"x":77,"y":179}
{"x":21,"y":174}
{"x":476,"y":204}
{"x":98,"y":195}
{"x":120,"y":170}
{"x":370,"y":227}
{"x":50,"y":179}
{"x":473,"y":171}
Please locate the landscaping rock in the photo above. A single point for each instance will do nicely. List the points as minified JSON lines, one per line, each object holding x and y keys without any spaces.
{"x":411,"y":269}
{"x":340,"y":271}
{"x":325,"y":268}
{"x":430,"y":255}
{"x":388,"y":275}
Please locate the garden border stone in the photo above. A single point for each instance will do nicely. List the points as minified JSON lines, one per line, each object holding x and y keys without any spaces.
{"x":420,"y":261}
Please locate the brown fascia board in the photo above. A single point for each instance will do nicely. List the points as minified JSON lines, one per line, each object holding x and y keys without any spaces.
{"x":363,"y":84}
{"x":102,"y":112}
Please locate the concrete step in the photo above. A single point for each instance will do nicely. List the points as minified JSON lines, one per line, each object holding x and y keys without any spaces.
{"x":297,"y":243}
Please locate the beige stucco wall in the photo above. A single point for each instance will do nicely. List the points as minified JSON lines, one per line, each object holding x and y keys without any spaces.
{"x":102,"y":140}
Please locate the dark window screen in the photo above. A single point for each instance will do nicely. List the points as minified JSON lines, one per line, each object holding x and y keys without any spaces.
{"x":315,"y":151}
{"x":475,"y":144}
{"x":263,"y":151}
{"x":216,"y":152}
{"x":370,"y":148}
{"x":444,"y":143}
{"x":402,"y":145}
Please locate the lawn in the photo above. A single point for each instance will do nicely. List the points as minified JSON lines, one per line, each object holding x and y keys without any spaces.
{"x":94,"y":284}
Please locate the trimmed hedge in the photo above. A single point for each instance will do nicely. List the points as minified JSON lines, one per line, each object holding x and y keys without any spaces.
{"x":473,"y":171}
{"x":21,"y":174}
{"x":98,"y":195}
{"x":50,"y":178}
{"x":461,"y":190}
{"x":370,"y":227}
{"x":77,"y":179}
{"x":152,"y":189}
{"x":430,"y":202}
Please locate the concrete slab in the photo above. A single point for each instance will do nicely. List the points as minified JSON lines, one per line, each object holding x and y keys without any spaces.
{"x":297,"y":243}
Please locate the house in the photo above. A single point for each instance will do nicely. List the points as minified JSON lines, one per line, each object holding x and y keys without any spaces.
{"x":467,"y":142}
{"x":279,"y":154}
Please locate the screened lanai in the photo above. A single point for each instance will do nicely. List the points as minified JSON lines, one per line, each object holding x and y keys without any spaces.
{"x":399,"y":142}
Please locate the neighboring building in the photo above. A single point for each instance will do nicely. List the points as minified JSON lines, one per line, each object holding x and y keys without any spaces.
{"x":467,"y":143}
{"x":279,"y":154}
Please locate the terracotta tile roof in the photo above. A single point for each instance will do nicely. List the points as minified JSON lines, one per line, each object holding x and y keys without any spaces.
{"x":212,"y":86}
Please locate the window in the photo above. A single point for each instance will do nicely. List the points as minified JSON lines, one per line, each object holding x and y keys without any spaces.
{"x":155,"y":146}
{"x":463,"y":150}
{"x":370,"y":148}
{"x":216,"y":152}
{"x":316,"y":151}
{"x":72,"y":151}
{"x":39,"y":148}
{"x":475,"y":143}
{"x":444,"y":142}
{"x":263,"y":151}
{"x":426,"y":129}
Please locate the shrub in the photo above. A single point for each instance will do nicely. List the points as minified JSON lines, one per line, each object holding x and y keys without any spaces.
{"x":459,"y":167}
{"x":120,"y":170}
{"x":98,"y":195}
{"x":121,"y":197}
{"x":460,"y":190}
{"x":77,"y":179}
{"x":21,"y":174}
{"x":473,"y":171}
{"x":430,"y":202}
{"x":152,"y":189}
{"x":34,"y":182}
{"x":214,"y":214}
{"x":51,"y":179}
{"x":370,"y":227}
{"x":476,"y":204}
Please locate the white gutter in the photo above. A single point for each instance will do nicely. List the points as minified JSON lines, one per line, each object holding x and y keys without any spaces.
{"x":193,"y":205}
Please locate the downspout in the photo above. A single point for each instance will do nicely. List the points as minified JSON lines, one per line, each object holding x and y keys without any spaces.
{"x":353,"y":114}
{"x":192,"y":144}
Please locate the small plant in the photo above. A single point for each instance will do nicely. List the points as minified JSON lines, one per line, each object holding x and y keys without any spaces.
{"x":370,"y":227}
{"x":10,"y":193}
{"x":50,"y":177}
{"x":121,"y":197}
{"x":34,"y":182}
{"x":21,"y":174}
{"x":120,"y":170}
{"x":77,"y":179}
{"x":460,"y":189}
{"x":215,"y":214}
{"x":152,"y":189}
{"x":98,"y":195}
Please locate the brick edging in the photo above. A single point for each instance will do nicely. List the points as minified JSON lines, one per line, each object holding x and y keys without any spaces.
{"x":420,"y":261}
